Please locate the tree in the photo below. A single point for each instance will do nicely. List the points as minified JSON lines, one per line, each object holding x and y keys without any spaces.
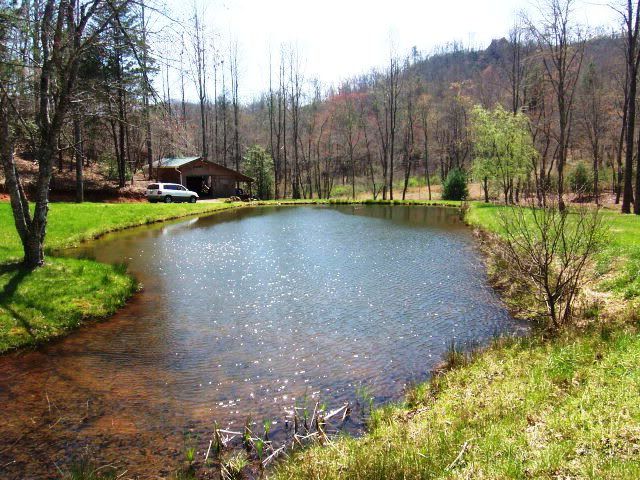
{"x":503,"y":148}
{"x":349,"y":119}
{"x":631,"y":31}
{"x":424,"y":108}
{"x":67,"y":29}
{"x":561,"y":43}
{"x":593,"y":120}
{"x":549,"y":250}
{"x":455,"y":185}
{"x":199,"y":71}
{"x":580,"y":181}
{"x":259,"y":165}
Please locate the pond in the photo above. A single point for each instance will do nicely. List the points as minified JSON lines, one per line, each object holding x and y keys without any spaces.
{"x":248,"y":312}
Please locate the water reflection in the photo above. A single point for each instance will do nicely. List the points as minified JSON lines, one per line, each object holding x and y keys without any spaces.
{"x":248,"y":311}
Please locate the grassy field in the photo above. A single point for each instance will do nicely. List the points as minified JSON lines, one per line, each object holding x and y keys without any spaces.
{"x":561,"y":407}
{"x":619,"y":260}
{"x":46,"y":303}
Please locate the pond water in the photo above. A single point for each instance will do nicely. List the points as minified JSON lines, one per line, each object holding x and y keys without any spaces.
{"x":247,"y":312}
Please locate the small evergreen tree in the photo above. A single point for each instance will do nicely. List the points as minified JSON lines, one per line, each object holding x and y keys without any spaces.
{"x":581,"y":180}
{"x":259,"y":165}
{"x":455,"y":185}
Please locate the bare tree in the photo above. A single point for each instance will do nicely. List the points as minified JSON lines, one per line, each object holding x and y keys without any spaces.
{"x":391,"y":114}
{"x":592,"y":119}
{"x":514,"y":66}
{"x":561,"y":44}
{"x":199,"y":72}
{"x":233,"y":71}
{"x":424,"y":108}
{"x":67,"y":29}
{"x":549,"y":249}
{"x":295,"y":83}
{"x":350,"y":121}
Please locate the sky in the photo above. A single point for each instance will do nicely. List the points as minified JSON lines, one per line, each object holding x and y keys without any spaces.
{"x":338,"y":39}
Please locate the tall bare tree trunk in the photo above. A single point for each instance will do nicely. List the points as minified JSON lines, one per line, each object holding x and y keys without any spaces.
{"x":79,"y":156}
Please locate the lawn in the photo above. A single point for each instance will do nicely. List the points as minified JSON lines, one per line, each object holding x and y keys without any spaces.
{"x":559,"y":407}
{"x":621,"y":253}
{"x":39,"y":305}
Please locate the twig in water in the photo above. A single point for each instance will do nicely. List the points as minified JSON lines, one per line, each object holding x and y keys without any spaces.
{"x":206,"y":457}
{"x":332,"y":413}
{"x":272,"y":456}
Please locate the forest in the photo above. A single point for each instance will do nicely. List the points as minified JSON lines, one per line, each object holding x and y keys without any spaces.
{"x":88,"y":86}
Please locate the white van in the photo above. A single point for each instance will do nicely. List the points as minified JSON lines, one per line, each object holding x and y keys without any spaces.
{"x":170,"y":192}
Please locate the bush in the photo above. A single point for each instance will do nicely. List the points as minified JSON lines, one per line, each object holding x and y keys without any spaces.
{"x":455,"y":186}
{"x":549,"y":250}
{"x":580,"y":180}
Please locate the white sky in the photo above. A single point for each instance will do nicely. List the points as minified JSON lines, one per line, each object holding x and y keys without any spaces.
{"x":338,"y":39}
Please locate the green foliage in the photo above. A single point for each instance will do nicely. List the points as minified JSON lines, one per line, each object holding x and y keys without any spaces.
{"x":503,"y":147}
{"x":232,"y":464}
{"x":259,"y":165}
{"x":581,"y":180}
{"x":109,"y":167}
{"x":526,"y":408}
{"x":455,"y":185}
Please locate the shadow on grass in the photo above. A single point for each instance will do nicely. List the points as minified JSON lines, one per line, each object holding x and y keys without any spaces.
{"x":19,"y":273}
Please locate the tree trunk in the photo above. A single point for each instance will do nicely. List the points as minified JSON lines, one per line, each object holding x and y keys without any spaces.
{"x":79,"y":157}
{"x":485,"y":187}
{"x":627,"y":197}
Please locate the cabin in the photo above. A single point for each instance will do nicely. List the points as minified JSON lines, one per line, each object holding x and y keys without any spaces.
{"x":206,"y":178}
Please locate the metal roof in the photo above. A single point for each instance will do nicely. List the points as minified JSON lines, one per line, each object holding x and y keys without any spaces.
{"x":174,"y":162}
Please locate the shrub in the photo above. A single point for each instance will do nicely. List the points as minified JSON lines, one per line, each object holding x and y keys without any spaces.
{"x":580,"y":180}
{"x":455,"y":186}
{"x":549,"y":250}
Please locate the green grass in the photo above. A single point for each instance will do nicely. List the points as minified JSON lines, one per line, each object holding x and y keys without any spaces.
{"x":38,"y":305}
{"x":523,"y":409}
{"x":70,"y":223}
{"x":619,"y":260}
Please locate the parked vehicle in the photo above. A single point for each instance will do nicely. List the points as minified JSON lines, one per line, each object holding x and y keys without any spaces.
{"x":170,"y":192}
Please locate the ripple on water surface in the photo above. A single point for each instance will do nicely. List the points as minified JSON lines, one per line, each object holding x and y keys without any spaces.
{"x":250,"y":311}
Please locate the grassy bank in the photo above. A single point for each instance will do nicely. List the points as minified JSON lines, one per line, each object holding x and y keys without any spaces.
{"x":564,"y":407}
{"x":618,"y":261}
{"x":43,"y":304}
